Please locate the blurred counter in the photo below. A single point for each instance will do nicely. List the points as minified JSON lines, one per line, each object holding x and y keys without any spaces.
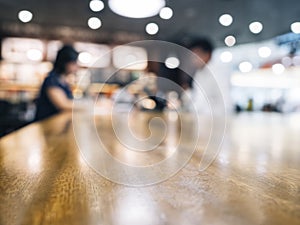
{"x":255,"y":178}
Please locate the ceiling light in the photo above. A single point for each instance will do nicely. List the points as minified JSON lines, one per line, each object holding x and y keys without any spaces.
{"x":85,"y":57}
{"x":230,"y":40}
{"x":296,"y":60}
{"x":226,"y":57}
{"x":96,"y":5}
{"x":34,"y":54}
{"x":166,"y":13}
{"x":264,"y":52}
{"x":25,"y":16}
{"x":295,"y":27}
{"x":172,"y":62}
{"x":152,"y":28}
{"x":245,"y":67}
{"x":226,"y":20}
{"x":287,"y":61}
{"x":136,"y":8}
{"x":255,"y":27}
{"x":278,"y":68}
{"x":94,"y":23}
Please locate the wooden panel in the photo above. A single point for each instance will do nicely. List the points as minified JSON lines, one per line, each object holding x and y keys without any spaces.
{"x":254,"y":180}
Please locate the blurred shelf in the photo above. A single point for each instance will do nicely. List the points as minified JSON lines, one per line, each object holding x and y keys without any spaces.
{"x":15,"y":87}
{"x":96,"y":88}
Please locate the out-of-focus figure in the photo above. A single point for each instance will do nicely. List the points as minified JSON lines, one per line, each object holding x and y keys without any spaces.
{"x":205,"y":93}
{"x":55,"y":94}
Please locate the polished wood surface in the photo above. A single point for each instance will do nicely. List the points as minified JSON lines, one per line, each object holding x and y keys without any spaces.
{"x":254,"y":180}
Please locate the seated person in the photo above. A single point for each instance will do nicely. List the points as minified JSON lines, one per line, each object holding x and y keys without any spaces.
{"x":55,"y":94}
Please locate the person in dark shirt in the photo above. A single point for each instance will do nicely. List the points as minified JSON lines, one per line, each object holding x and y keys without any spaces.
{"x":55,"y":94}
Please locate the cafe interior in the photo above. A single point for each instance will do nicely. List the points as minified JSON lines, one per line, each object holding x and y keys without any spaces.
{"x":150,"y":136}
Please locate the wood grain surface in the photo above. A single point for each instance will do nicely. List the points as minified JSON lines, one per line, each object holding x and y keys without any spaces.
{"x":254,"y":180}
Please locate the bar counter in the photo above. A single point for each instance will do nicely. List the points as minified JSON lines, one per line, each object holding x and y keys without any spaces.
{"x":255,"y":179}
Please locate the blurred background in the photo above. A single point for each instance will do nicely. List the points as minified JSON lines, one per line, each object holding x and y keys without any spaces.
{"x":256,"y":59}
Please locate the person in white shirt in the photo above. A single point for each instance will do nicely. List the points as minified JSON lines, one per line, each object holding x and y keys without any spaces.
{"x":206,"y":96}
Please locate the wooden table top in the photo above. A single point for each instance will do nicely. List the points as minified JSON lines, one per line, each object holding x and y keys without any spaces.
{"x":255,"y":179}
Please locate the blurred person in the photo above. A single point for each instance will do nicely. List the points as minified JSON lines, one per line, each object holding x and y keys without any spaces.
{"x":203,"y":88}
{"x":55,"y":93}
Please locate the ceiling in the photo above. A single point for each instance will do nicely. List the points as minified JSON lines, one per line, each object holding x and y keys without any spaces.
{"x":68,"y":20}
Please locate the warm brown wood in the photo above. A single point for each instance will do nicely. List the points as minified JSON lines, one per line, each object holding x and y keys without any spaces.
{"x":254,"y":180}
{"x":4,"y":86}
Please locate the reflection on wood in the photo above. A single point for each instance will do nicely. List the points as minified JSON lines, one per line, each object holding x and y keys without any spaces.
{"x":254,"y":180}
